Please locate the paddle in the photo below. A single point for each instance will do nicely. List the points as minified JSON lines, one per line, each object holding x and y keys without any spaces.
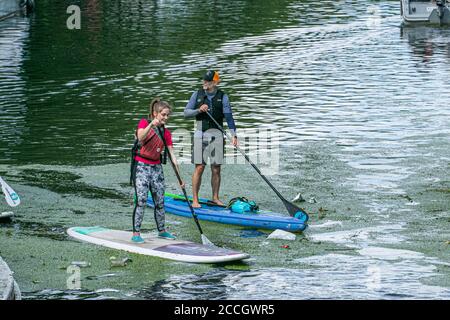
{"x":293,"y":210}
{"x":205,"y":240}
{"x":12,"y":198}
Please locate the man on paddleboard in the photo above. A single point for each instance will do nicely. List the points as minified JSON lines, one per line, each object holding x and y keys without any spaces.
{"x":208,"y":139}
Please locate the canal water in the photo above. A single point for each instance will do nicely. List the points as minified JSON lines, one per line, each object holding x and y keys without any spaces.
{"x":357,"y":107}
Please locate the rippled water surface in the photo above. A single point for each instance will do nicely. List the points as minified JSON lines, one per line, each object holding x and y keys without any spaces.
{"x":359,"y":105}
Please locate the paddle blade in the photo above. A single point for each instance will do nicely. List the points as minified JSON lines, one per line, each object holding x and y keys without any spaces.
{"x":206,"y":241}
{"x":12,"y":198}
{"x":296,"y":212}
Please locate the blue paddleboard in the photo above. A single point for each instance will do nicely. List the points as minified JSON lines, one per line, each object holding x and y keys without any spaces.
{"x":176,"y":205}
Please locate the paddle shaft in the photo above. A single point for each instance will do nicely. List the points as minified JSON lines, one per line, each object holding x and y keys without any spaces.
{"x":287,"y":204}
{"x":180,"y":181}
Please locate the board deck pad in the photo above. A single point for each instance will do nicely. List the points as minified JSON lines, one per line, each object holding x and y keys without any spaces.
{"x":178,"y":250}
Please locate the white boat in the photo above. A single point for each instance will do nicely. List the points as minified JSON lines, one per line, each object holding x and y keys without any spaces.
{"x":9,"y":8}
{"x":425,"y":11}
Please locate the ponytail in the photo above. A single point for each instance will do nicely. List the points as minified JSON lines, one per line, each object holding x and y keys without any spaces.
{"x":157,"y":105}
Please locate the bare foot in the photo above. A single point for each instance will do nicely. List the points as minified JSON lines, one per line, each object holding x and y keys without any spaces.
{"x":196,"y":205}
{"x":218,"y":202}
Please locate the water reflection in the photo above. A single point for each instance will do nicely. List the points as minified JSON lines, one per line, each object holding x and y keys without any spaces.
{"x":14,"y":34}
{"x":427,"y":42}
{"x":82,"y":104}
{"x":90,"y":86}
{"x":53,"y":294}
{"x":319,"y":277}
{"x":208,"y":286}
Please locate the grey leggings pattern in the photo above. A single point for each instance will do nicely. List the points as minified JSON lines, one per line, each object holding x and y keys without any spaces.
{"x":149,"y":177}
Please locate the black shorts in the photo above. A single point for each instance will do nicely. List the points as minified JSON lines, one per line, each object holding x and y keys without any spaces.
{"x":208,"y":150}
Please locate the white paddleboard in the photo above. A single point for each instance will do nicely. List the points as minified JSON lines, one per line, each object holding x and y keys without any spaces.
{"x":178,"y":250}
{"x":12,"y":198}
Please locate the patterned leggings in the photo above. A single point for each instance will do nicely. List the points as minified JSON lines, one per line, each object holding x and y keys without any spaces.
{"x":149,"y":177}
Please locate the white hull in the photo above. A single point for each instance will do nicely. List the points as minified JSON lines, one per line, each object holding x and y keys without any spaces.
{"x":425,"y":12}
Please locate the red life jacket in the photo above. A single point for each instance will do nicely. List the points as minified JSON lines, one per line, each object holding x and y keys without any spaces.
{"x":151,"y":147}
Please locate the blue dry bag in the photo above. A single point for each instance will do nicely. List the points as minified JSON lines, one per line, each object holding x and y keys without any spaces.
{"x":242,"y":205}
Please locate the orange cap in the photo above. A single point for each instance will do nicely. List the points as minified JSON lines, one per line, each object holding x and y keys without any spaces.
{"x":211,"y":75}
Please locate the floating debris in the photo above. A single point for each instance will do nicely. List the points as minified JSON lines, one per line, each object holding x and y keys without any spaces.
{"x":108,"y":275}
{"x":312,"y":200}
{"x":282,"y":235}
{"x":81,"y":264}
{"x":115,"y":262}
{"x":285,"y":246}
{"x":298,"y":198}
{"x":78,"y":212}
{"x":322,"y":213}
{"x":6,"y":215}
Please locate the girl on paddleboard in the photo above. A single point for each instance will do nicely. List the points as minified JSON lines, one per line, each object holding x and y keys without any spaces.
{"x":147,"y":171}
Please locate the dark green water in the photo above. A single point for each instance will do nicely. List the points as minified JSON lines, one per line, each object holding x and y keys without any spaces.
{"x":359,"y":104}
